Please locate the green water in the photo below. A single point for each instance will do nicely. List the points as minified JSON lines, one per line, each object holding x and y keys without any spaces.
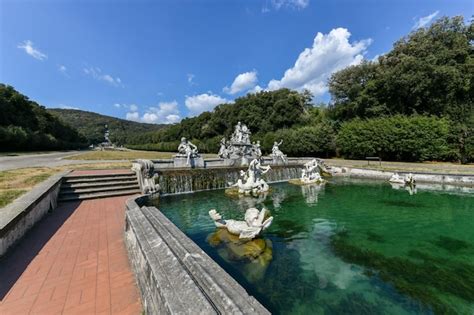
{"x":349,"y":247}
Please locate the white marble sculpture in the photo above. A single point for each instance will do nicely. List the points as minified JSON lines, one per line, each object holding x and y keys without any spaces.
{"x":408,"y":180}
{"x":239,"y":145}
{"x":251,"y":181}
{"x":256,"y":149}
{"x":311,"y":172}
{"x":187,"y":149}
{"x":146,"y":176}
{"x":253,"y":225}
{"x":277,"y":153}
{"x":223,"y":150}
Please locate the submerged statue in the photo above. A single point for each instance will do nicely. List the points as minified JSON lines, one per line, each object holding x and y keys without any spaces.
{"x":186,"y":148}
{"x":255,"y":222}
{"x":251,"y":181}
{"x":254,"y":255}
{"x":277,"y":153}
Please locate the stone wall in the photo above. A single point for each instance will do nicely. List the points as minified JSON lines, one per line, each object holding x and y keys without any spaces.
{"x":20,"y":216}
{"x":174,"y":275}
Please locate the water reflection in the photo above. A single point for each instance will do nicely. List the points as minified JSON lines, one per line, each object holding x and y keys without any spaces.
{"x":255,"y":255}
{"x":311,"y":193}
{"x":246,"y":202}
{"x":411,"y":189}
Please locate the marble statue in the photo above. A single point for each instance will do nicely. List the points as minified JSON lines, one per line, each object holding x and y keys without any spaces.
{"x":254,"y":256}
{"x":311,"y":173}
{"x":255,"y":222}
{"x":146,"y":176}
{"x":408,"y":180}
{"x":256,"y":149}
{"x":277,"y":153}
{"x":223,"y":150}
{"x":251,"y":181}
{"x":239,"y":146}
{"x":187,"y":149}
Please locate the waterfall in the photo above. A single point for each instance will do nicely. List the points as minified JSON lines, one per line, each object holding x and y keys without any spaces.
{"x":191,"y":180}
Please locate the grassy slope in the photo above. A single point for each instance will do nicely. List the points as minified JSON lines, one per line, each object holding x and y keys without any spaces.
{"x":126,"y":155}
{"x":92,"y":124}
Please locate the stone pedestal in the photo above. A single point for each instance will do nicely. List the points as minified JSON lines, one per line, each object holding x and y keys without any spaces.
{"x":179,"y":161}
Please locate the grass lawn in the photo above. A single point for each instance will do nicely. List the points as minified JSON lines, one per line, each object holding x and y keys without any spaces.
{"x":125,"y":155}
{"x":14,"y":183}
{"x":428,"y":167}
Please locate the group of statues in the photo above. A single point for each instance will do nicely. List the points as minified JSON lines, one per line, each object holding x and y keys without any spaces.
{"x":240,"y":146}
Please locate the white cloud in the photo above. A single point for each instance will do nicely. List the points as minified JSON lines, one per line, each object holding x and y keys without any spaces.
{"x":164,"y":113}
{"x":203,"y":102}
{"x":191,"y":77}
{"x":67,"y":107}
{"x":62,"y":69}
{"x":256,"y":89}
{"x":117,"y":105}
{"x":97,"y":74}
{"x":134,"y":116}
{"x":425,"y":20}
{"x":293,"y":4}
{"x":27,"y":46}
{"x":133,"y":107}
{"x":329,"y":53}
{"x":242,"y":82}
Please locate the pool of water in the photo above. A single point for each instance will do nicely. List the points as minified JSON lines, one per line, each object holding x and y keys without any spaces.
{"x":348,"y":247}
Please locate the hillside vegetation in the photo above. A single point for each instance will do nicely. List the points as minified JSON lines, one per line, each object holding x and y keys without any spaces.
{"x":25,"y":125}
{"x":92,"y":125}
{"x":414,"y":103}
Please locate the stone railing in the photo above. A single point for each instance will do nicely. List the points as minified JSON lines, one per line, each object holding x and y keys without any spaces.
{"x":20,"y":216}
{"x":174,"y":275}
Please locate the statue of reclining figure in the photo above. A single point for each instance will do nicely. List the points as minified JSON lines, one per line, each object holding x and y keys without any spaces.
{"x":253,"y":225}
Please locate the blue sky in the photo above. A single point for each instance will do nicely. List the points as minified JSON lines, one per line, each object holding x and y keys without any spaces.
{"x":160,"y":61}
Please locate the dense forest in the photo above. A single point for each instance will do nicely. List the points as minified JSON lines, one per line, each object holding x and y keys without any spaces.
{"x":414,"y":103}
{"x":25,"y":125}
{"x":92,"y":125}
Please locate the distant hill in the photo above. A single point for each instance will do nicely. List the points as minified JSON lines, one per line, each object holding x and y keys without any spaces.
{"x":25,"y":125}
{"x":92,"y":125}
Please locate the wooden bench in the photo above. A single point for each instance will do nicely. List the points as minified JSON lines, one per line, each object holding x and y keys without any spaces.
{"x":373,"y":158}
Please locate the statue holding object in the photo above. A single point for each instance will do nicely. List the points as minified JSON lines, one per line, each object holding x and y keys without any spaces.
{"x":277,"y":153}
{"x":187,"y":149}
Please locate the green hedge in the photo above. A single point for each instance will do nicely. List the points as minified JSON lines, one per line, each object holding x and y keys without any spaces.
{"x":400,"y":138}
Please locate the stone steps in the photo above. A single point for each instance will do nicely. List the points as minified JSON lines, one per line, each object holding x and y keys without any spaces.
{"x":91,"y":186}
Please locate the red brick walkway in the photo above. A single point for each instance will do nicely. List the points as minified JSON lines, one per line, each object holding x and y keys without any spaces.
{"x":73,"y":262}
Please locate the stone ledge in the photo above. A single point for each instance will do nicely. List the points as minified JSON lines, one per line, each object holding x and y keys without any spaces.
{"x":19,"y":216}
{"x":174,"y":274}
{"x":420,"y":177}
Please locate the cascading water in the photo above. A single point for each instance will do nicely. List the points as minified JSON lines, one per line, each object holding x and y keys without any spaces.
{"x":185,"y":181}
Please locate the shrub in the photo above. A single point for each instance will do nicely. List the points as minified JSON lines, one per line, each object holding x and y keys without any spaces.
{"x":401,"y":138}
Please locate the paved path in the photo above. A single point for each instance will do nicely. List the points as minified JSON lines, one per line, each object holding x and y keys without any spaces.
{"x":73,"y":262}
{"x":46,"y":159}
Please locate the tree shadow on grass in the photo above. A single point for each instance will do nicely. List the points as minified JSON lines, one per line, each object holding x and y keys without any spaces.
{"x":17,"y":259}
